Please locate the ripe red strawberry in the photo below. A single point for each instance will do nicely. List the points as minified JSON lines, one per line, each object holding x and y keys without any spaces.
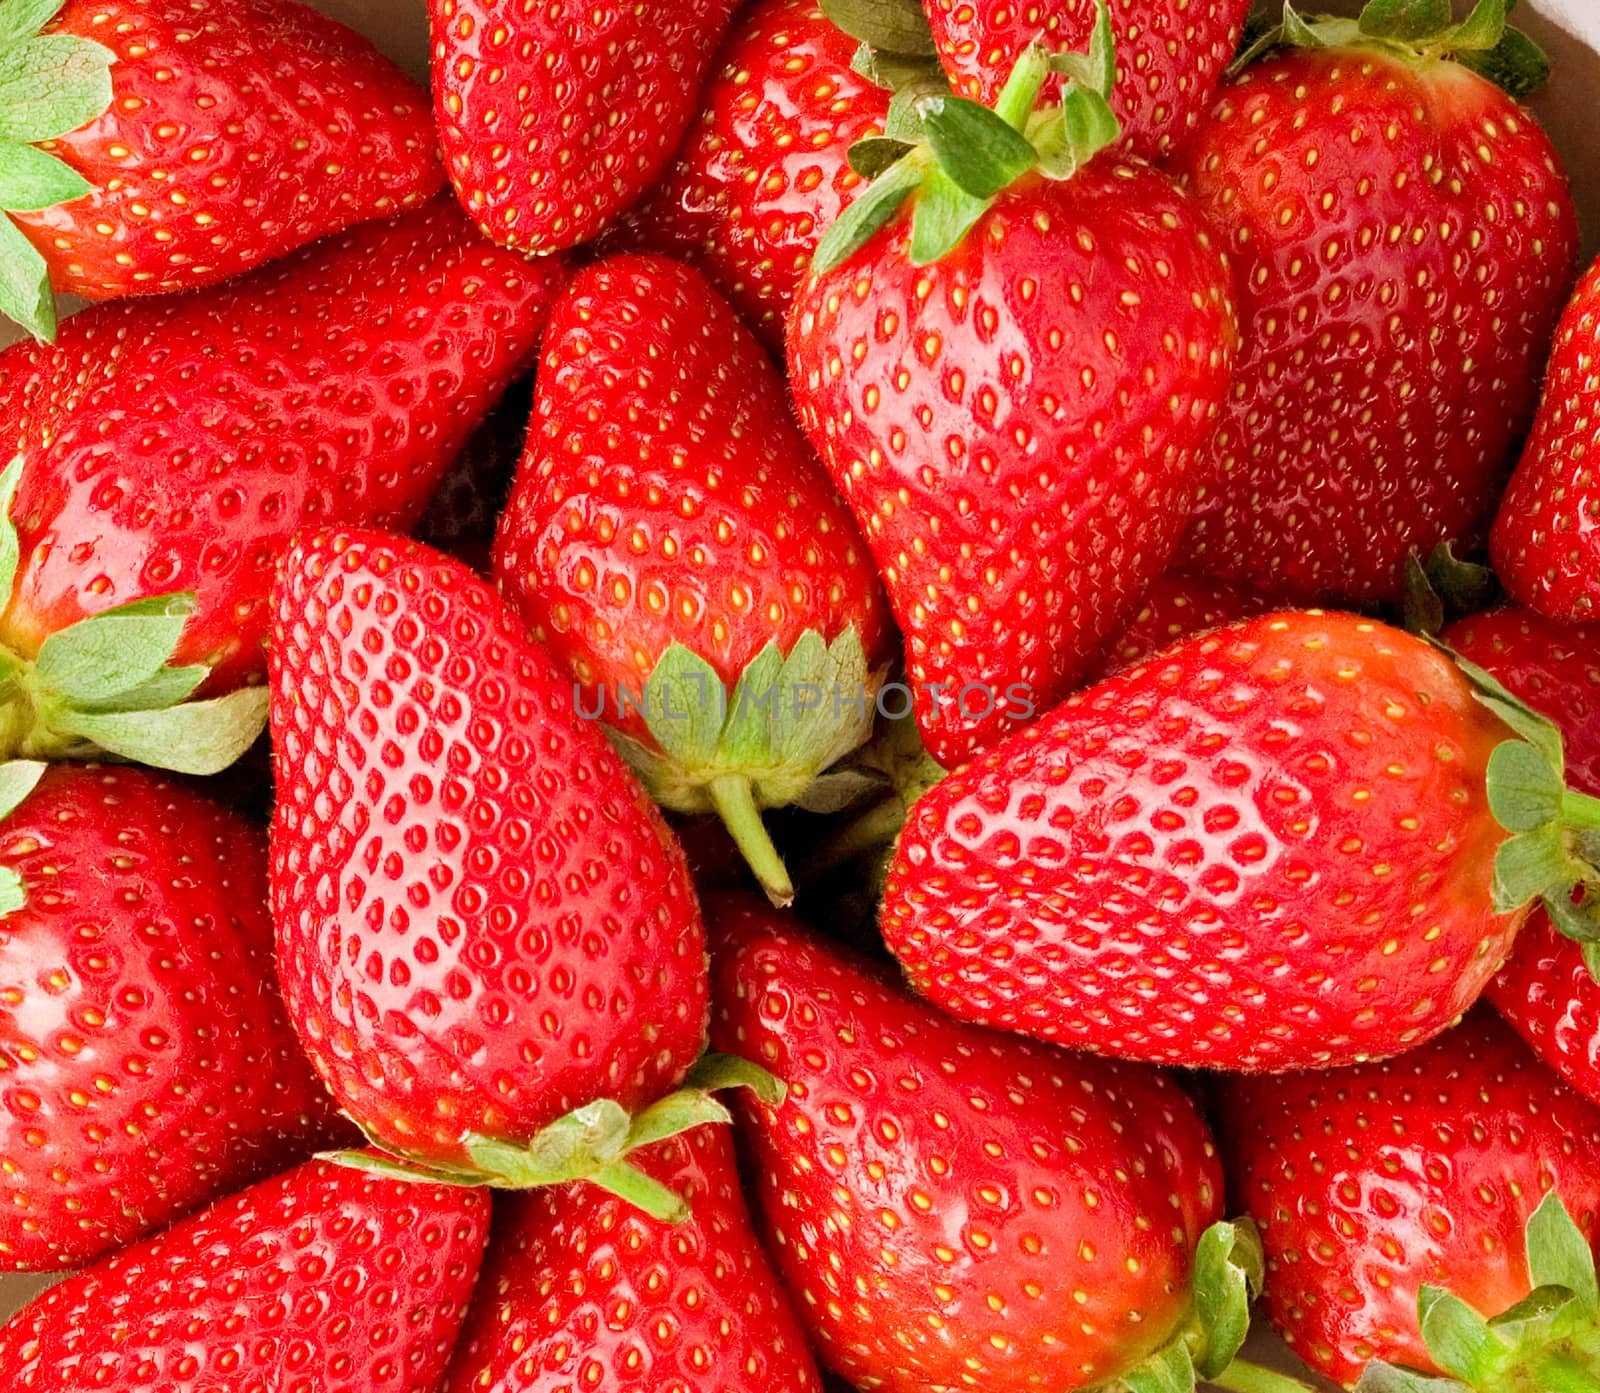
{"x":582,"y":1291}
{"x":555,"y":117}
{"x":954,"y":1208}
{"x":1269,"y":848}
{"x":1371,"y":1184}
{"x":1170,"y":54}
{"x":487,"y":937}
{"x":236,"y":131}
{"x":1176,"y":607}
{"x":1546,"y":539}
{"x":173,"y":446}
{"x":674,"y":541}
{"x":1547,"y":989}
{"x":1011,"y":392}
{"x":763,"y":170}
{"x":321,"y":1280}
{"x":1402,"y":237}
{"x":148,"y":1064}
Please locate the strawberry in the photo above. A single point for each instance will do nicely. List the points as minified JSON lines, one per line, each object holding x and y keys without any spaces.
{"x":674,"y":541}
{"x":1170,"y":55}
{"x":1010,"y":387}
{"x":149,"y":1066}
{"x":955,"y":1208}
{"x":1177,"y":607}
{"x":555,"y":117}
{"x":1546,"y":538}
{"x":168,"y":448}
{"x":1402,"y":237}
{"x":1548,"y":989}
{"x":320,"y":1280}
{"x":487,"y":937}
{"x":581,"y":1291}
{"x":763,"y":170}
{"x":230,"y":132}
{"x":1377,"y":1186}
{"x":1269,"y":848}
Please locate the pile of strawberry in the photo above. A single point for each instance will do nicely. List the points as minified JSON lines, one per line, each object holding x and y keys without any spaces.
{"x":882,"y":659}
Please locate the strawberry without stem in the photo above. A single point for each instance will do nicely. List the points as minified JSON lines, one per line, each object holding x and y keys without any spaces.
{"x":581,"y":1291}
{"x":673,"y":539}
{"x":237,"y":131}
{"x":1370,"y":1183}
{"x":1268,"y":848}
{"x":555,"y":117}
{"x":1402,"y":238}
{"x":1546,"y":539}
{"x":954,"y":1208}
{"x":170,"y":448}
{"x":146,"y":1063}
{"x":321,"y":1280}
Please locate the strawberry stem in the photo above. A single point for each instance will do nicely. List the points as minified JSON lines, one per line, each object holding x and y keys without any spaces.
{"x":1244,"y":1377}
{"x":734,"y":800}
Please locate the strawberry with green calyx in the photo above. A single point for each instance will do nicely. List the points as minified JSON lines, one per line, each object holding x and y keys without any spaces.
{"x":1010,"y":384}
{"x":1267,"y":848}
{"x":955,"y":1208}
{"x":486,"y":934}
{"x":1403,"y":238}
{"x":674,"y":541}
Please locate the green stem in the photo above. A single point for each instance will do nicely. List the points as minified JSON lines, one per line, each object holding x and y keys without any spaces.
{"x":735,"y":803}
{"x":1244,"y":1377}
{"x":1021,"y":93}
{"x":632,"y":1184}
{"x":1580,"y":812}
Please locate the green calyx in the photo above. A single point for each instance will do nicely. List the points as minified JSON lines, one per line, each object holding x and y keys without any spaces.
{"x":18,"y":778}
{"x":955,"y":156}
{"x":1419,"y":31}
{"x":769,"y":743}
{"x":50,"y":85}
{"x":1444,"y":588}
{"x":105,"y":686}
{"x":592,"y":1143}
{"x":1549,"y":1342}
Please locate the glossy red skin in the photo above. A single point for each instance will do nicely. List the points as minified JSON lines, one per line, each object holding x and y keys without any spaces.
{"x":1382,"y":387}
{"x":583,"y":1291}
{"x":146,"y":1063}
{"x":1171,"y":54}
{"x":238,"y":131}
{"x":1546,"y":538}
{"x":1545,"y":989}
{"x":1266,"y":849}
{"x":666,"y":496}
{"x":1367,"y":1183}
{"x":1017,"y":514}
{"x":322,"y":1280}
{"x":921,"y":1169}
{"x":555,"y":117}
{"x":1176,"y":607}
{"x":178,"y":444}
{"x":763,"y":171}
{"x":482,"y":921}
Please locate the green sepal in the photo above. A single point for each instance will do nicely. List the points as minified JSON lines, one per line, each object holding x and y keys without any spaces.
{"x":896,"y":71}
{"x":869,"y":212}
{"x":1168,"y":1370}
{"x":945,"y":214}
{"x":1229,"y":1269}
{"x":31,"y":180}
{"x":1525,"y":791}
{"x":1406,"y":19}
{"x":840,"y":789}
{"x":1560,"y":1256}
{"x":195,"y":737}
{"x":99,"y":658}
{"x":18,"y":778}
{"x":10,"y":546}
{"x":1516,"y":64}
{"x":1459,"y":1340}
{"x":1071,"y":136}
{"x":714,"y":1072}
{"x":1095,"y":70}
{"x":1591,"y":957}
{"x":25,"y":294}
{"x":1483,"y":29}
{"x":1443,"y":588}
{"x":872,"y":156}
{"x":975,"y":146}
{"x":1527,"y":865}
{"x":20,"y":20}
{"x":391,"y":1167}
{"x":897,"y":26}
{"x":684,"y":706}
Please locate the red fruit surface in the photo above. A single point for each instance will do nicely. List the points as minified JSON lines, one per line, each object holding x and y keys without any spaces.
{"x":1369,"y":1182}
{"x":322,"y":1280}
{"x":148,"y":1065}
{"x":1546,"y":989}
{"x":1017,"y":428}
{"x":177,"y":444}
{"x":666,"y":496}
{"x":763,"y":171}
{"x":555,"y":117}
{"x":1402,"y":237}
{"x":952,"y":1207}
{"x":1177,"y":607}
{"x":1170,"y":54}
{"x":1546,"y":538}
{"x":483,"y":922}
{"x":1266,"y":849}
{"x":583,"y":1291}
{"x":238,"y":131}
